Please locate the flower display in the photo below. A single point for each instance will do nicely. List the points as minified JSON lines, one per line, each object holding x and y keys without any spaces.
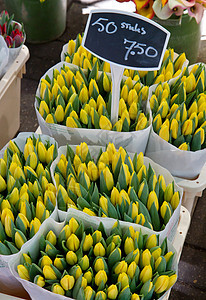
{"x":27,"y":194}
{"x":179,"y":110}
{"x":114,"y":186}
{"x":86,"y":263}
{"x":82,"y":99}
{"x":164,"y":9}
{"x":171,"y":67}
{"x":12,"y":32}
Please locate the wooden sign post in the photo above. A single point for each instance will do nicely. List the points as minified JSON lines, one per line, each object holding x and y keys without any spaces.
{"x":125,"y":40}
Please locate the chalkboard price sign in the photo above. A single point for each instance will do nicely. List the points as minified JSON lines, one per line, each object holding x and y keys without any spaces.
{"x":125,"y":39}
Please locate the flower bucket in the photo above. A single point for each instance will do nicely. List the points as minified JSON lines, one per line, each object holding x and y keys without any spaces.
{"x":185,"y":35}
{"x":43,"y":22}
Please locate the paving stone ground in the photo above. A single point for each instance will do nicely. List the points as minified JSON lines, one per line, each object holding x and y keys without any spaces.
{"x":192,"y":266}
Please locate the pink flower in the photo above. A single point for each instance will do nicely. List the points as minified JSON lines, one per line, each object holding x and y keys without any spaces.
{"x":196,"y":12}
{"x":176,"y":7}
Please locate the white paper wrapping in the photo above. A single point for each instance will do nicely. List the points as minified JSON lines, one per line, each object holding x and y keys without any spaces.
{"x":5,"y":275}
{"x":4,"y":56}
{"x":32,"y":246}
{"x":184,"y":164}
{"x":170,"y":228}
{"x":134,"y":141}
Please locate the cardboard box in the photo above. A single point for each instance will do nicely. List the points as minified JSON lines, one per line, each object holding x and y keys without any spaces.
{"x":10,"y":95}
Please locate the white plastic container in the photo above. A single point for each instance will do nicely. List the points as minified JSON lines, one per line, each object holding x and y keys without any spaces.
{"x":10,"y":95}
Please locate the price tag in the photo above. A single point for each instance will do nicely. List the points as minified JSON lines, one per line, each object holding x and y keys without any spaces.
{"x":125,"y":40}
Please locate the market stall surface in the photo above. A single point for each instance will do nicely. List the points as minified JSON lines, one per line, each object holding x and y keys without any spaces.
{"x":192,"y":266}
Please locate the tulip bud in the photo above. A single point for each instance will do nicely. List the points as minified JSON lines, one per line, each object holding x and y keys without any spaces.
{"x":132,"y":269}
{"x":19,"y":239}
{"x":6,"y":212}
{"x":2,"y":184}
{"x":35,"y":224}
{"x":112,"y":292}
{"x":73,"y":242}
{"x":187,"y":127}
{"x":152,"y":198}
{"x":128,"y":245}
{"x":123,"y":196}
{"x":41,"y":150}
{"x":51,"y":237}
{"x":169,"y":191}
{"x":161,"y":284}
{"x":99,"y":249}
{"x":121,"y":267}
{"x":124,"y":92}
{"x":100,"y":276}
{"x":114,"y":196}
{"x":57,"y":289}
{"x":172,"y":280}
{"x":103,"y":204}
{"x":125,"y":115}
{"x":164,"y":132}
{"x":23,"y":272}
{"x":49,"y":273}
{"x":146,"y":273}
{"x":104,"y":123}
{"x":175,"y":200}
{"x":46,"y":261}
{"x":82,"y":150}
{"x":146,"y":258}
{"x":179,"y":62}
{"x":123,"y":279}
{"x":73,"y":225}
{"x":88,"y":276}
{"x":174,"y":128}
{"x":39,"y":280}
{"x":108,"y":177}
{"x":92,"y":171}
{"x":106,"y":83}
{"x":43,"y":108}
{"x":84,"y":263}
{"x":40,"y":209}
{"x":71,"y":258}
{"x":2,"y":168}
{"x":135,"y":297}
{"x":7,"y":224}
{"x":165,"y":211}
{"x":89,"y":293}
{"x":70,"y":122}
{"x":96,"y":236}
{"x":151,"y":241}
{"x":99,"y":264}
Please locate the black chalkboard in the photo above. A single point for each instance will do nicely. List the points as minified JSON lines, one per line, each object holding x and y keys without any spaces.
{"x":125,"y":39}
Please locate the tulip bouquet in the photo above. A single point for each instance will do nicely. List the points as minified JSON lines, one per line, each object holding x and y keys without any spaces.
{"x":179,"y":123}
{"x":179,"y":110}
{"x":85,"y":260}
{"x":83,"y":100}
{"x":110,"y":184}
{"x":166,"y":9}
{"x":172,"y":65}
{"x":12,"y":32}
{"x":27,"y":195}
